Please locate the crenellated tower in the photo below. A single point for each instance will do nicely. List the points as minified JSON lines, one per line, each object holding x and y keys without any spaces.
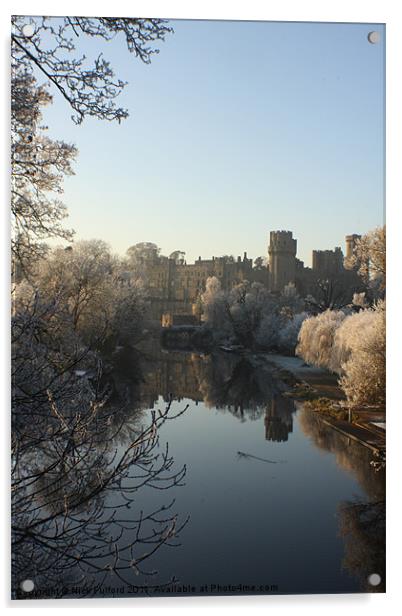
{"x":282,"y":259}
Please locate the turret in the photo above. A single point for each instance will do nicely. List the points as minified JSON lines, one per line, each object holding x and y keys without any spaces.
{"x":282,"y":259}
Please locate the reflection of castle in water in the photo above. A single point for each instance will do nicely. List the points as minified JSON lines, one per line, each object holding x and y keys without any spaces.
{"x":279,"y":419}
{"x":228,"y":383}
{"x":171,"y":376}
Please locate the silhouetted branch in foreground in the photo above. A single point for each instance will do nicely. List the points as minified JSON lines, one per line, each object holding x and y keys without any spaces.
{"x":73,"y":495}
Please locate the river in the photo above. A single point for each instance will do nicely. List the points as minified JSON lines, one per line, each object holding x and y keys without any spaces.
{"x":272,"y":500}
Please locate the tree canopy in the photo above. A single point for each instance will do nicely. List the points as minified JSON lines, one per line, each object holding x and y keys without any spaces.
{"x":370,"y":257}
{"x":51,"y":49}
{"x":38,"y":167}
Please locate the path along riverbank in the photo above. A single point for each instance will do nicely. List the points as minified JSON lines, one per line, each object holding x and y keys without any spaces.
{"x":363,"y":424}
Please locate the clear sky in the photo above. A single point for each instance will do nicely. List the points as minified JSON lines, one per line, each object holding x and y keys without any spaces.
{"x":235,"y":129}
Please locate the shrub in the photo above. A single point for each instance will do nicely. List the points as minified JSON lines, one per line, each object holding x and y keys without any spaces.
{"x":316,"y":336}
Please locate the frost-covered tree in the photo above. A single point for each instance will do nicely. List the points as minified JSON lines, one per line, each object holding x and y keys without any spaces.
{"x":346,"y":337}
{"x":46,"y":354}
{"x":370,"y":257}
{"x":352,"y":346}
{"x":178,"y":256}
{"x":214,"y":307}
{"x":86,"y":280}
{"x":289,"y":303}
{"x":38,"y":168}
{"x":359,"y":300}
{"x":247,"y":305}
{"x":68,"y":460}
{"x":143,"y":252}
{"x":333,"y":293}
{"x":128,"y":315}
{"x":289,"y":333}
{"x":316,"y":338}
{"x":52,"y":50}
{"x":140,"y":257}
{"x":260,"y":263}
{"x":267,"y":334}
{"x":360,"y":350}
{"x":49,"y":48}
{"x":82,"y":277}
{"x":249,"y":314}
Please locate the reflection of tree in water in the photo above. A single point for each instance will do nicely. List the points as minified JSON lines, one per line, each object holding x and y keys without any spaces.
{"x":246,"y":390}
{"x":233,"y":384}
{"x":222,"y":381}
{"x":76,"y":504}
{"x":361,"y":522}
{"x":126,"y":416}
{"x":349,"y":455}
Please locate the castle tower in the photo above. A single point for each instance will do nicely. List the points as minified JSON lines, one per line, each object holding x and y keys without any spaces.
{"x":328,"y":262}
{"x":350,"y":247}
{"x":282,"y":259}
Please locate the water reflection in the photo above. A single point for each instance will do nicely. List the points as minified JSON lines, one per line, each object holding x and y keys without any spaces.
{"x":77,"y":477}
{"x":362,"y":525}
{"x":82,"y":514}
{"x":242,"y":386}
{"x":249,"y":390}
{"x":349,"y":455}
{"x":361,"y":521}
{"x":279,"y":419}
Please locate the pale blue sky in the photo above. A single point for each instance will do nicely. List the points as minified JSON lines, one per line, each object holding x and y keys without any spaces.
{"x":235,"y":129}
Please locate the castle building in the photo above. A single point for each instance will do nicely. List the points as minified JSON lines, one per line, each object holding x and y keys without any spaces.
{"x":175,"y":286}
{"x":328,"y":262}
{"x":183,"y":282}
{"x":282,"y":259}
{"x":285,"y":267}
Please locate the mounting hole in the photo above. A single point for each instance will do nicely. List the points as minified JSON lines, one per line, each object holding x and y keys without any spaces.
{"x":374,"y":579}
{"x":27,"y":585}
{"x":373,"y":37}
{"x":28,"y":30}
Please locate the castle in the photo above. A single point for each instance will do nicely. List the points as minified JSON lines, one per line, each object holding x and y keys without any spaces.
{"x":176,"y":285}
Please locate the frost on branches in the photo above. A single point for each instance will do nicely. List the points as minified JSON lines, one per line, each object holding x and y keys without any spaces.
{"x":316,"y":338}
{"x":96,"y":302}
{"x":38,"y":167}
{"x":370,"y":259}
{"x":353,"y":347}
{"x":54,"y":51}
{"x":363,"y":372}
{"x":250,"y":315}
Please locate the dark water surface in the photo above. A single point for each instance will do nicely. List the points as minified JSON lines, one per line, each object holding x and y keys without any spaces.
{"x":273,"y":523}
{"x":276,"y":501}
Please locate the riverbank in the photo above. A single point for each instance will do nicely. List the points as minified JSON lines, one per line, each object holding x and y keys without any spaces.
{"x":321,"y":391}
{"x":315,"y":387}
{"x":321,"y":382}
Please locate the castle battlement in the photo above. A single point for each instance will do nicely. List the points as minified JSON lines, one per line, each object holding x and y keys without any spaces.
{"x":282,"y":241}
{"x":282,"y":259}
{"x":183,"y":283}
